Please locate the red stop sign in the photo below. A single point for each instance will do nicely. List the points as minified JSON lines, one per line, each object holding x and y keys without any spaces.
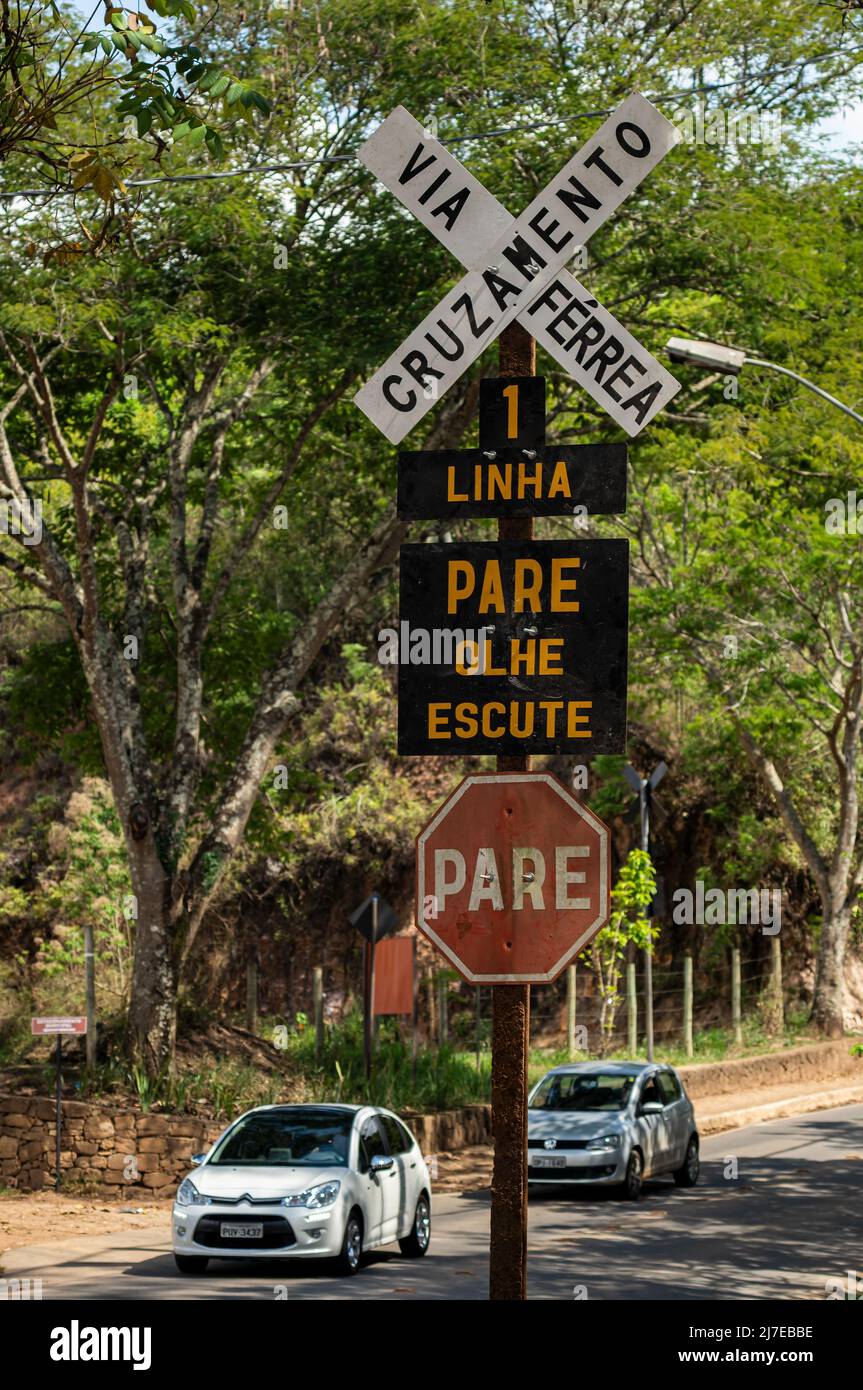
{"x":512,"y":878}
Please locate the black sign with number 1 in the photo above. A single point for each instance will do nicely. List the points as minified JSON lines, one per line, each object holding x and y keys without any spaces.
{"x":512,"y":412}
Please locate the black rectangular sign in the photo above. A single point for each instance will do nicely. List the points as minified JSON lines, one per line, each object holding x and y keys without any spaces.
{"x":512,"y":412}
{"x":576,"y":480}
{"x":512,"y":647}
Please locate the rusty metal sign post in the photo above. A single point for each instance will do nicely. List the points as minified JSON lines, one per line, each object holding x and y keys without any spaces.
{"x":510,"y":1016}
{"x":517,"y":290}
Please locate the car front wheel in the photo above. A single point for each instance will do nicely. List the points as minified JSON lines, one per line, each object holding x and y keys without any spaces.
{"x":416,"y":1243}
{"x":632,"y":1183}
{"x":191,"y":1264}
{"x":687,"y":1174}
{"x":350,"y":1256}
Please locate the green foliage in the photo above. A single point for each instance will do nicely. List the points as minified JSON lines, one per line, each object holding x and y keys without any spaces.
{"x":342,"y":799}
{"x":86,"y":881}
{"x":94,"y":890}
{"x":628,"y":925}
{"x":444,"y":1076}
{"x":726,"y":494}
{"x":223,"y":1089}
{"x":168,"y":87}
{"x":613,"y":793}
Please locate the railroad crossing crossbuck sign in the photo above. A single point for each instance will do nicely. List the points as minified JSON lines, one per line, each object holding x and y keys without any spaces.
{"x":516,"y":269}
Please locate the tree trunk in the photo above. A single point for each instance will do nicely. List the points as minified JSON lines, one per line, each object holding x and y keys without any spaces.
{"x":828,"y":1012}
{"x":153,"y":1008}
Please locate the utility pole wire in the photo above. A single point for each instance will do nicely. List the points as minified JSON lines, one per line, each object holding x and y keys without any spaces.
{"x":7,"y":195}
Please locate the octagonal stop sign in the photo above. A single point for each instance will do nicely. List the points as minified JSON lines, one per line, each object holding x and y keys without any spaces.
{"x":512,"y":878}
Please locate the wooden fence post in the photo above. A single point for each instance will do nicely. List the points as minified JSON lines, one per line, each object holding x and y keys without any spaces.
{"x":631,"y":1009}
{"x":687,"y":1005}
{"x":318,"y":1003}
{"x":736,"y":1014}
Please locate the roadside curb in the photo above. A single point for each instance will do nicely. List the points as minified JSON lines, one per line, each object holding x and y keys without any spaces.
{"x":780,"y":1109}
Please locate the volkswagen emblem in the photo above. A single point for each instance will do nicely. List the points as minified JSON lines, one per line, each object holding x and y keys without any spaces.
{"x":550,"y":1144}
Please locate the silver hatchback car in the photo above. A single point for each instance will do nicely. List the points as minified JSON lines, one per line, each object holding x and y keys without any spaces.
{"x":304,"y":1181}
{"x":615,"y":1123}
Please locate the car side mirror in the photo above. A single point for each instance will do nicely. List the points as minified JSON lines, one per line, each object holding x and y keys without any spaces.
{"x":196,"y":1159}
{"x":380,"y":1163}
{"x":650,"y":1107}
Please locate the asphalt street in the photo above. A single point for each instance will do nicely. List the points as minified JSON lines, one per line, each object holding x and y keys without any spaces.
{"x":777,"y":1214}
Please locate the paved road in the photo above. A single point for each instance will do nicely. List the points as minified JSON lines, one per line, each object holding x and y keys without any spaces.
{"x":791,"y":1219}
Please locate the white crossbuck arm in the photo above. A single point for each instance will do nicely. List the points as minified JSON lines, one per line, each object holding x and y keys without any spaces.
{"x":516,"y":269}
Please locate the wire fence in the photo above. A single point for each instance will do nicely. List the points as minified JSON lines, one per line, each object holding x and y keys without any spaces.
{"x":686,"y":999}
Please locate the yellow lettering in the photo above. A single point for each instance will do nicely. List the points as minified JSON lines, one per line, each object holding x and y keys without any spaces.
{"x":551,"y":707}
{"x":515,"y":730}
{"x":519,"y":658}
{"x":466,"y":722}
{"x":451,"y":494}
{"x":487,"y":668}
{"x":510,"y":395}
{"x":470,"y":667}
{"x":573,"y":718}
{"x":524,"y":482}
{"x":547,"y":655}
{"x":559,"y":481}
{"x":437,"y":713}
{"x":499,"y":483}
{"x":528,"y":582}
{"x":456,"y":591}
{"x":492,"y":589}
{"x":488,"y":731}
{"x":558,"y":584}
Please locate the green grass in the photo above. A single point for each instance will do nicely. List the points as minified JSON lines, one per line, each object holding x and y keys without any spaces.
{"x":709,"y":1045}
{"x":443,"y":1078}
{"x":224,"y":1089}
{"x":447,"y":1077}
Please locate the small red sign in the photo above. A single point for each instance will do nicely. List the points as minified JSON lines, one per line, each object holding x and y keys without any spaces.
{"x":512,"y":878}
{"x":394,"y":976}
{"x":75,"y":1024}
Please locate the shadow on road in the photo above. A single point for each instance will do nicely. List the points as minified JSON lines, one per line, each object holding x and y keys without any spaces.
{"x":753,"y":1228}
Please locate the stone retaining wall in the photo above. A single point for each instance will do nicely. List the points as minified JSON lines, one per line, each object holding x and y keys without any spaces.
{"x":817,"y":1062}
{"x":450,"y":1130}
{"x":126,"y":1150}
{"x":117,"y":1148}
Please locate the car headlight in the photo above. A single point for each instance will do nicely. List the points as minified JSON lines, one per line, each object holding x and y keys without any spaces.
{"x":606,"y":1141}
{"x":189,"y":1196}
{"x":321,"y":1196}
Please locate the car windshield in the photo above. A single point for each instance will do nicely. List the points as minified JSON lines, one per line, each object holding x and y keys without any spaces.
{"x":583,"y":1091}
{"x":288,"y":1138}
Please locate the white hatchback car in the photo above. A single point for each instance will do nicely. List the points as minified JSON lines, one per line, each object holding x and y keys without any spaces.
{"x":319,"y":1181}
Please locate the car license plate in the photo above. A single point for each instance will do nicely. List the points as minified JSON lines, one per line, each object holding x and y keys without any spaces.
{"x":549,"y":1161}
{"x":230,"y":1230}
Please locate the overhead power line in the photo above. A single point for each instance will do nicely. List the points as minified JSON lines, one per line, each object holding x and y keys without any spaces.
{"x":7,"y":195}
